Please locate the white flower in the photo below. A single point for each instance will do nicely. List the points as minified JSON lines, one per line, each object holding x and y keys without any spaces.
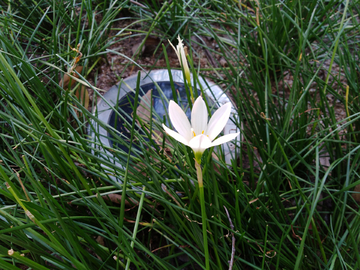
{"x":180,"y":52}
{"x":200,"y":134}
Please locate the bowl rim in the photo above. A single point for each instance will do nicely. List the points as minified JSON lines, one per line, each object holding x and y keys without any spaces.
{"x":105,"y":106}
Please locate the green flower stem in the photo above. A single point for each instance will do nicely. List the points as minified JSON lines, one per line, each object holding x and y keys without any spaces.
{"x":191,"y":93}
{"x":188,"y":81}
{"x":203,"y":212}
{"x":187,"y":76}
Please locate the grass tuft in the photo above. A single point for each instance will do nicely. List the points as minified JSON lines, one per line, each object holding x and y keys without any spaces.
{"x":291,"y":194}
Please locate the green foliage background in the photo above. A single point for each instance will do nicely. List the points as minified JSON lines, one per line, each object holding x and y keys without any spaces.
{"x":289,"y":211}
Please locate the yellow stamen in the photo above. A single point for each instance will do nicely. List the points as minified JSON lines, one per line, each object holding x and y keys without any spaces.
{"x":194,"y":134}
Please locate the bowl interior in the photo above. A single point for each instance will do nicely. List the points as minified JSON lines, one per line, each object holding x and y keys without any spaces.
{"x":153,"y":97}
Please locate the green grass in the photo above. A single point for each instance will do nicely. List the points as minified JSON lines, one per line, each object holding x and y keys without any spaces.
{"x":289,"y":211}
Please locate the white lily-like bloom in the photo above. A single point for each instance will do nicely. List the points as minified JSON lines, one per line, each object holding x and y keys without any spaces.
{"x":200,"y":134}
{"x":180,"y":52}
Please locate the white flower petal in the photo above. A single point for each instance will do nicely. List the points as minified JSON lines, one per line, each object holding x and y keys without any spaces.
{"x":180,"y":46}
{"x":176,"y":51}
{"x":184,"y":62}
{"x":218,"y":121}
{"x":179,"y":120}
{"x":175,"y":135}
{"x":225,"y":139}
{"x":200,"y":143}
{"x":180,"y":52}
{"x":199,"y":116}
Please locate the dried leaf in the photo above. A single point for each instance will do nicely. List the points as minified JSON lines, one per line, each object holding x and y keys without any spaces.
{"x":143,"y":110}
{"x":216,"y":166}
{"x":64,"y":82}
{"x":135,"y":49}
{"x":356,"y":196}
{"x":325,"y":161}
{"x":100,"y":240}
{"x":116,"y":198}
{"x":81,"y":92}
{"x":83,"y":95}
{"x":148,"y":48}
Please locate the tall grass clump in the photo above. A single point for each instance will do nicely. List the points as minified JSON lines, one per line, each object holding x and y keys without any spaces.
{"x":289,"y":199}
